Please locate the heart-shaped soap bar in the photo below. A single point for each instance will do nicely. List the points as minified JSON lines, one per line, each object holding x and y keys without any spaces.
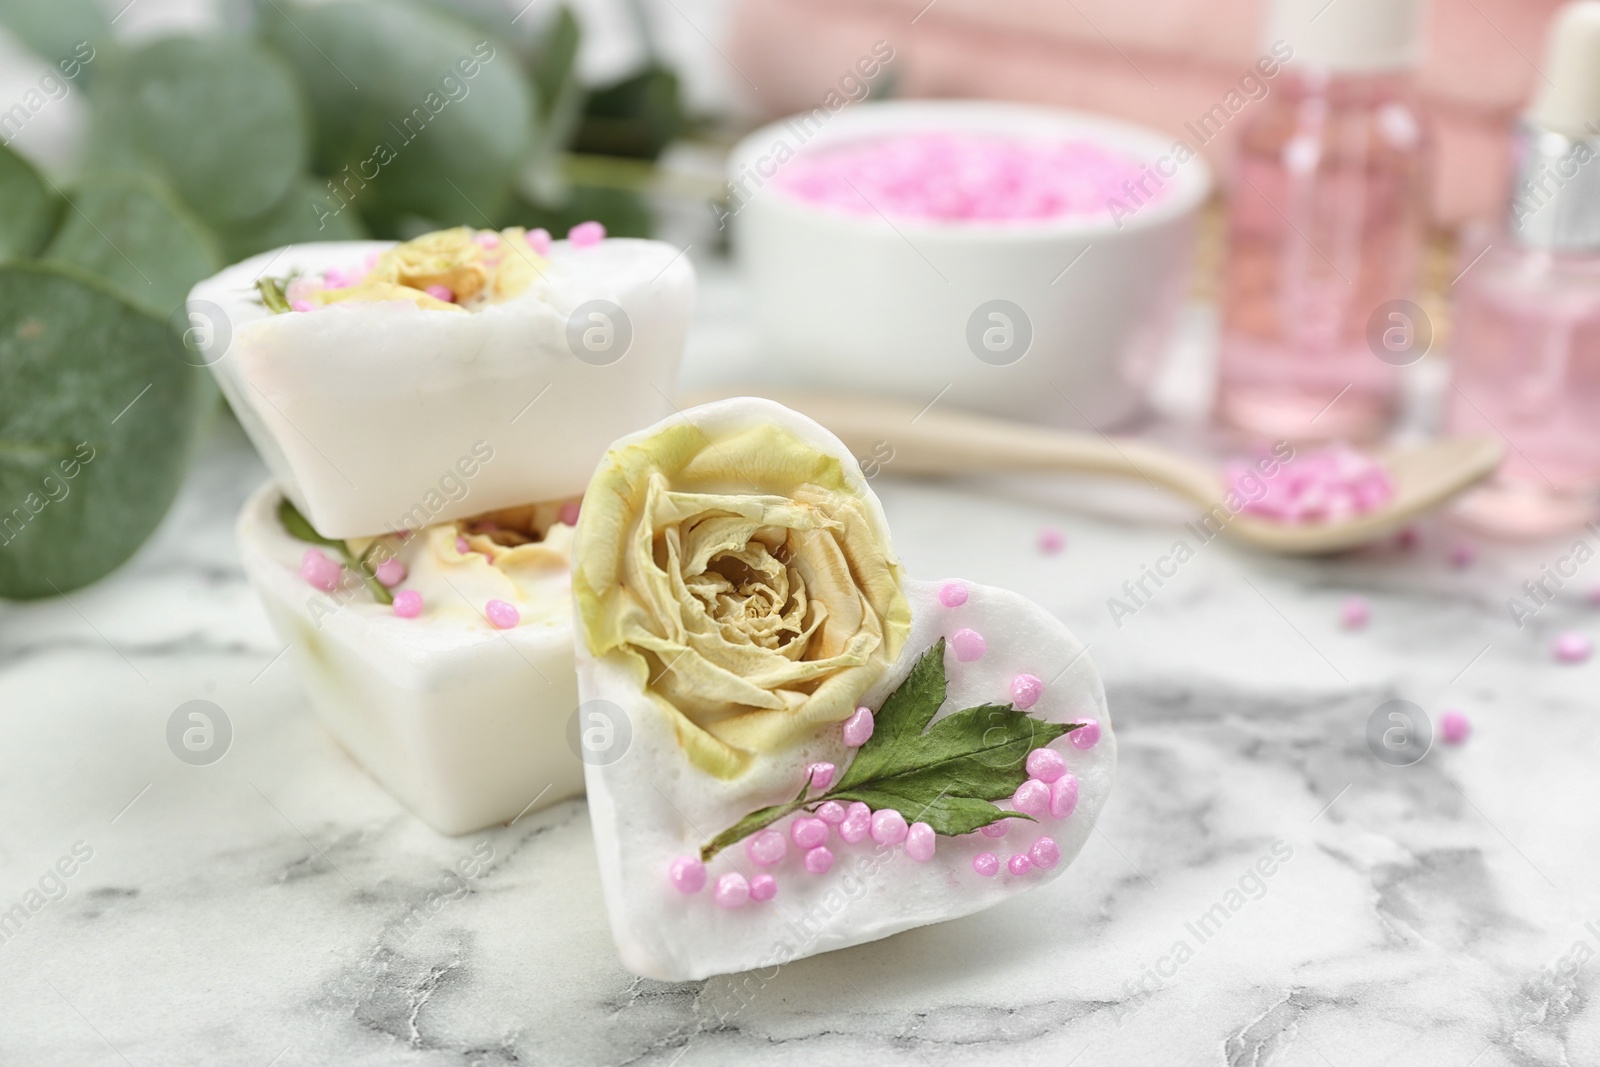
{"x":791,"y":747}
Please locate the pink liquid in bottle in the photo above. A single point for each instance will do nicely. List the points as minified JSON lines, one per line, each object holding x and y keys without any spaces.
{"x":1325,"y":229}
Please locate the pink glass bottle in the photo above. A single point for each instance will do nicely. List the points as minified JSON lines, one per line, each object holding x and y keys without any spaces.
{"x":1325,"y":227}
{"x":1526,"y":341}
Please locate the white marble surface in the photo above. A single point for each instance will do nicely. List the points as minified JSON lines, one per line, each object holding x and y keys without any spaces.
{"x":251,"y":911}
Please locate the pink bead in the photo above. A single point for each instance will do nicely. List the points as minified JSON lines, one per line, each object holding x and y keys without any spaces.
{"x":1032,"y":797}
{"x":1051,"y":540}
{"x":920,"y":842}
{"x":1454,"y":727}
{"x":807,"y":832}
{"x":818,"y":860}
{"x":568,"y":516}
{"x":766,"y":848}
{"x":1462,"y":554}
{"x":1408,"y":538}
{"x":439,"y":292}
{"x":391,"y":572}
{"x":731,"y":891}
{"x":1046,"y":764}
{"x":858,"y":728}
{"x":462,"y":546}
{"x":320,"y":571}
{"x":763,"y":887}
{"x":888,"y":827}
{"x":968,"y":645}
{"x":1355,"y":613}
{"x":302,"y":305}
{"x":1572,"y":647}
{"x":487,"y":239}
{"x":1026,"y":689}
{"x":1594,"y":596}
{"x":539,"y":241}
{"x":1086,"y":736}
{"x":688,"y":874}
{"x":821,"y":775}
{"x":831,"y":812}
{"x":857,"y":823}
{"x":586,"y":234}
{"x":502,"y":616}
{"x":1063,"y":796}
{"x":998,"y":828}
{"x":408,"y":603}
{"x":1019,"y":864}
{"x":986,"y":864}
{"x":953,"y":594}
{"x":1045,"y":853}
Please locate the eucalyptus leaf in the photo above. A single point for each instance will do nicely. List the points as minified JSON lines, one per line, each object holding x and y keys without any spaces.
{"x":415,"y":113}
{"x":130,"y":232}
{"x":55,"y":30}
{"x":624,"y":213}
{"x":97,"y":423}
{"x":220,"y":119}
{"x":635,"y":117}
{"x":308,"y":213}
{"x":28,"y":208}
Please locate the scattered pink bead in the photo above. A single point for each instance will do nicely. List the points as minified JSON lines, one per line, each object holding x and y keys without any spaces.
{"x":1087,"y":735}
{"x":1026,"y":689}
{"x":1019,"y":864}
{"x":1051,"y":540}
{"x":1594,"y":596}
{"x":1572,"y":647}
{"x":320,"y":571}
{"x":987,"y":864}
{"x":568,"y":515}
{"x":953,"y":594}
{"x":1063,"y":796}
{"x":539,"y":241}
{"x":688,"y":874}
{"x":731,"y":891}
{"x":1355,"y":613}
{"x":390,"y":573}
{"x":857,"y":823}
{"x":462,"y":546}
{"x":1454,"y":727}
{"x":807,"y":832}
{"x":440,"y":292}
{"x":502,"y":616}
{"x":821,"y":775}
{"x":301,"y":305}
{"x":1046,"y":764}
{"x":488,"y":239}
{"x":831,"y":812}
{"x":763,"y":887}
{"x":1032,"y":797}
{"x":818,"y":860}
{"x":1462,"y":555}
{"x":998,"y":828}
{"x":408,"y":603}
{"x":920,"y":842}
{"x":1045,"y":853}
{"x":968,"y":644}
{"x":766,"y":848}
{"x":1408,"y":538}
{"x":888,"y":827}
{"x":586,"y":234}
{"x":858,"y":728}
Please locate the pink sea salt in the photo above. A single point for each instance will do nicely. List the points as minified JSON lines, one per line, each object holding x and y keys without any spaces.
{"x":1330,"y":484}
{"x":956,"y":177}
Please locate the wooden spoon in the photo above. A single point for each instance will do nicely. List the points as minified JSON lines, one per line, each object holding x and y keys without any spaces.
{"x":932,"y":441}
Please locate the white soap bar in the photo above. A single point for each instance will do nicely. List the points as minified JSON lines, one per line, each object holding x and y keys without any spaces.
{"x":464,"y":723}
{"x":651,"y":804}
{"x":369,"y":414}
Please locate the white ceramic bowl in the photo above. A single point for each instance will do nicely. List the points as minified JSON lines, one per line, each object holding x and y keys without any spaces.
{"x":864,"y":304}
{"x":464,"y":724}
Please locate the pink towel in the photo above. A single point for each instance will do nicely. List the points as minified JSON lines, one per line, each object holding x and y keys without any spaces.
{"x":1158,"y":62}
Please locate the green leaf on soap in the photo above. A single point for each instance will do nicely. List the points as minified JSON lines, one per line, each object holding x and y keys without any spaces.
{"x":220,"y":119}
{"x":28,"y":208}
{"x":298,"y":527}
{"x":98,"y":419}
{"x":130,"y":232}
{"x":945,"y":775}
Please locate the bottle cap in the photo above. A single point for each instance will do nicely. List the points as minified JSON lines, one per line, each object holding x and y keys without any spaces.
{"x":1352,"y":36}
{"x":1555,"y":187}
{"x":1569,"y":95}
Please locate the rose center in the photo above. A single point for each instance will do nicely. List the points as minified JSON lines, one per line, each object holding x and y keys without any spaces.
{"x":752,"y":597}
